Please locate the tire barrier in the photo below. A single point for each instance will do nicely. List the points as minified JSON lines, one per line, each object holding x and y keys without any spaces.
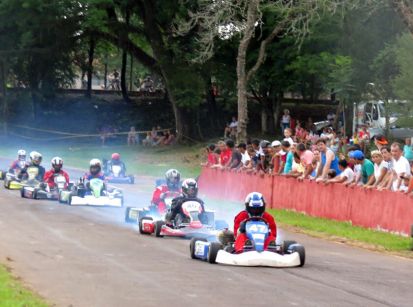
{"x":384,"y":210}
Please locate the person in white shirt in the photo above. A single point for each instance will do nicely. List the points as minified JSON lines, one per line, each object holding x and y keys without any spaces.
{"x":285,"y":120}
{"x":346,"y":176}
{"x":245,"y":157}
{"x":288,"y":133}
{"x":381,"y":168}
{"x":401,"y":167}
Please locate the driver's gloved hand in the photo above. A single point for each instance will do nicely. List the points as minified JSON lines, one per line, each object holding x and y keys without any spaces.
{"x":43,"y":185}
{"x":241,"y":228}
{"x":162,"y":196}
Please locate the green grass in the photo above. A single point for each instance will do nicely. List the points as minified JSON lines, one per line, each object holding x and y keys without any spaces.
{"x":329,"y":228}
{"x":139,"y":160}
{"x":13,"y":294}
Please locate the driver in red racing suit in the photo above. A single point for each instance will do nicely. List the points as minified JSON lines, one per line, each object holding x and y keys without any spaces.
{"x":173,"y":178}
{"x":254,"y":207}
{"x":49,"y":176}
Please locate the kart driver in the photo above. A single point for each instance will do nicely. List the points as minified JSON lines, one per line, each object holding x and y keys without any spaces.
{"x":35,"y":160}
{"x":254,"y":207}
{"x":95,"y":170}
{"x":18,"y":164}
{"x":115,"y":160}
{"x":189,"y":193}
{"x":49,"y":177}
{"x":173,"y":178}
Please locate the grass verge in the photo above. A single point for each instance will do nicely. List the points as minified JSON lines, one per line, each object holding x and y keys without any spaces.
{"x":13,"y":294}
{"x":342,"y":231}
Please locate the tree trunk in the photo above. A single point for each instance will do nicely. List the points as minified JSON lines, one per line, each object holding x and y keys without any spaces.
{"x":106,"y":72}
{"x":212,"y":106}
{"x":242,"y":80}
{"x":91,"y":54}
{"x":131,"y":74}
{"x":123,"y":85}
{"x":3,"y":90}
{"x":276,"y":107}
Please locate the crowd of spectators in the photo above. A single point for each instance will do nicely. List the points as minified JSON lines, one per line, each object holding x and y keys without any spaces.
{"x":328,"y":158}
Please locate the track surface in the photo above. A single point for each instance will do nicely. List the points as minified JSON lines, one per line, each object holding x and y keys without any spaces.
{"x":82,"y":256}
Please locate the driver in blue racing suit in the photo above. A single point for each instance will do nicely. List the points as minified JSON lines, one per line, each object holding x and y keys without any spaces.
{"x":18,"y":164}
{"x":35,"y":160}
{"x":189,"y":193}
{"x":115,"y":160}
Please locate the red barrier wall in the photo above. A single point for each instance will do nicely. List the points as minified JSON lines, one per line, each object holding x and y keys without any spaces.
{"x":367,"y":208}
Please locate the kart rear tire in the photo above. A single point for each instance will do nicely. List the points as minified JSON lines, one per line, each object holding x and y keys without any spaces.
{"x":286,"y":245}
{"x":301,"y":251}
{"x":34,"y":195}
{"x":141,"y":231}
{"x":158,"y":228}
{"x":192,"y":246}
{"x":22,"y":193}
{"x":127,"y":218}
{"x":131,"y":179}
{"x":214,"y":248}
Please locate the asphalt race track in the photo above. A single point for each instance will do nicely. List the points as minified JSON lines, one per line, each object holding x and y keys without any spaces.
{"x":84,"y":256}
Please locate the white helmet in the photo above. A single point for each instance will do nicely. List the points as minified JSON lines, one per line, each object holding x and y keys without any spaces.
{"x":95,"y":166}
{"x":57,"y":163}
{"x":21,"y":154}
{"x":36,"y":157}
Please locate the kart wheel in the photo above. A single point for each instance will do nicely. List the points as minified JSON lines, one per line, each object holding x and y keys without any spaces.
{"x":301,"y":251}
{"x":158,"y":228}
{"x":34,"y":195}
{"x":131,"y":179}
{"x":141,"y":231}
{"x":192,"y":246}
{"x":286,"y":245}
{"x":69,"y":200}
{"x":213,"y":251}
{"x":22,"y":193}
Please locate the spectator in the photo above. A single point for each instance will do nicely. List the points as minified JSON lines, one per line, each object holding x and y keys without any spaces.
{"x":380,"y":169}
{"x":233,"y":127}
{"x":288,"y":133}
{"x":258,"y":151}
{"x":300,"y":133}
{"x":276,"y":157}
{"x":226,"y":153}
{"x":297,"y":168}
{"x":147,"y":141}
{"x":115,"y":84}
{"x":285,"y":120}
{"x":132,"y":136}
{"x":211,"y":157}
{"x":309,"y":124}
{"x":364,"y":138}
{"x":154,"y":135}
{"x":401,"y":167}
{"x":407,"y":150}
{"x":346,"y":175}
{"x":264,"y":157}
{"x":236,"y":156}
{"x":331,"y":116}
{"x":380,"y":141}
{"x":227,"y":132}
{"x":245,"y":157}
{"x":306,"y":157}
{"x":328,"y":161}
{"x":169,"y":138}
{"x":388,"y":179}
{"x":286,"y":146}
{"x":367,"y":167}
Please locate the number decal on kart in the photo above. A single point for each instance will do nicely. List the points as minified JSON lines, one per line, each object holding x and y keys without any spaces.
{"x":257,"y":228}
{"x":199,"y":249}
{"x":191,"y":206}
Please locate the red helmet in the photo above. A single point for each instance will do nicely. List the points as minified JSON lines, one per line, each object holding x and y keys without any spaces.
{"x":115,"y":156}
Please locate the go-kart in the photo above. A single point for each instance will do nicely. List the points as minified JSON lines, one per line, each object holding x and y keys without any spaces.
{"x":12,"y":182}
{"x":287,"y":254}
{"x":93,"y":195}
{"x":3,"y":173}
{"x":191,"y":222}
{"x":134,"y":214}
{"x":45,"y":192}
{"x":115,"y":175}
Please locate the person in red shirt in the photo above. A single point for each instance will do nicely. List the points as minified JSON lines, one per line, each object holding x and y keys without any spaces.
{"x":172,"y":187}
{"x":56,"y":170}
{"x":226,"y":153}
{"x":254,"y":207}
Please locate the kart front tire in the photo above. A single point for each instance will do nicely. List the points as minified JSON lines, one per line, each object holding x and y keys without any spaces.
{"x":213,"y":251}
{"x":192,"y":246}
{"x":141,"y":231}
{"x":301,"y":252}
{"x":22,"y":193}
{"x":158,"y":228}
{"x":131,"y":179}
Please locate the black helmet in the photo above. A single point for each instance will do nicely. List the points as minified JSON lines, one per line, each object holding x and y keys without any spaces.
{"x":190,"y":188}
{"x":255,"y":204}
{"x":173,"y":177}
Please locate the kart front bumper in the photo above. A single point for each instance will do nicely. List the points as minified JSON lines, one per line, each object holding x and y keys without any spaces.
{"x":254,"y":258}
{"x":89,"y":200}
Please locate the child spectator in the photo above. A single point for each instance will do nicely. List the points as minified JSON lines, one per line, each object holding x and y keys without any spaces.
{"x":306,"y":158}
{"x":285,"y":120}
{"x":288,"y":133}
{"x":211,"y":157}
{"x":286,"y":146}
{"x":346,"y":176}
{"x":367,"y":167}
{"x":276,"y":157}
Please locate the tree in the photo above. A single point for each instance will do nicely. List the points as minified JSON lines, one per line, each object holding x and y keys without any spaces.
{"x":242,"y":18}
